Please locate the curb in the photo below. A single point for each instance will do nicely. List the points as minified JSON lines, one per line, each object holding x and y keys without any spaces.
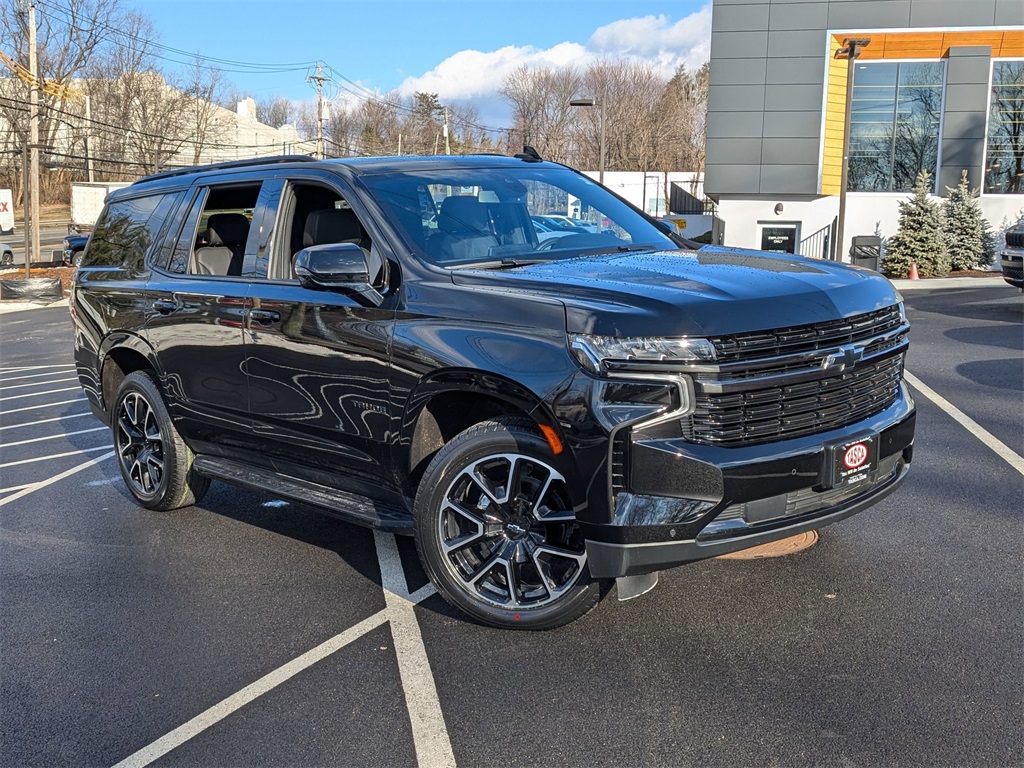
{"x":21,"y":306}
{"x":938,"y":283}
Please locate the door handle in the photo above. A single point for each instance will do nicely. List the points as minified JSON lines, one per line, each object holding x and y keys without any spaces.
{"x":264,"y":316}
{"x":165,"y":307}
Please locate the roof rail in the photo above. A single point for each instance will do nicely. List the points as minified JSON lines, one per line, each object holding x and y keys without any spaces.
{"x":223,"y":166}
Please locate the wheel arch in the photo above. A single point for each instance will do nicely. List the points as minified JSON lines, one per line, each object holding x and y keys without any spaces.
{"x":122,"y":354}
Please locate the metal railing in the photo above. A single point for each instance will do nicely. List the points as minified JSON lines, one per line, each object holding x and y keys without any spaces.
{"x":820,"y":244}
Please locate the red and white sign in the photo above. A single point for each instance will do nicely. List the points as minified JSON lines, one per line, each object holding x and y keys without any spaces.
{"x":855,"y":456}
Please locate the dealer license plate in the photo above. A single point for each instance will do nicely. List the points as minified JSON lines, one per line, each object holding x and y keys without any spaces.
{"x":854,"y":461}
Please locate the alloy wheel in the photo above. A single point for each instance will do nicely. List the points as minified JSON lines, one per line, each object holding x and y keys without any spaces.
{"x":140,"y":446}
{"x":508,"y":533}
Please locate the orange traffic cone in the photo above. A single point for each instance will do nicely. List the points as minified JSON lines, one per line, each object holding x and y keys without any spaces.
{"x":913,"y":271}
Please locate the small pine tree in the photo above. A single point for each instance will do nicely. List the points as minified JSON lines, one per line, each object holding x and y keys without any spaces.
{"x":920,"y":239}
{"x":968,"y":234}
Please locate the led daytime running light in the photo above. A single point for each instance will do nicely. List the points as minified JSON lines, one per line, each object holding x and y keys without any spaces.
{"x":594,"y":351}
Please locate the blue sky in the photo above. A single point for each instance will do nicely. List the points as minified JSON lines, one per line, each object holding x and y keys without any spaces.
{"x":459,"y":49}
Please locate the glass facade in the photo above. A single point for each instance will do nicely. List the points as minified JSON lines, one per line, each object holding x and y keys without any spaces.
{"x":1004,"y":151}
{"x":894,"y":124}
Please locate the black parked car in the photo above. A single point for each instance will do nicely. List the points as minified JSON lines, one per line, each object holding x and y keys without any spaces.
{"x":388,"y":340}
{"x":74,"y":248}
{"x":1012,"y":259}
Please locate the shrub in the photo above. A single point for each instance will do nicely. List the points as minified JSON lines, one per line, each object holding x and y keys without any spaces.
{"x":969,"y":236}
{"x":920,"y":239}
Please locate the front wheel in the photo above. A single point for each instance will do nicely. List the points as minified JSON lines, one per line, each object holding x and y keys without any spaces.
{"x":496,"y":531}
{"x":155,"y":463}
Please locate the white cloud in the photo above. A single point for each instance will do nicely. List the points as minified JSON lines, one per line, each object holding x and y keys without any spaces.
{"x":474,"y":76}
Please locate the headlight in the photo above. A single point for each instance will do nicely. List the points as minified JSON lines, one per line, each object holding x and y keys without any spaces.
{"x":594,"y":351}
{"x":903,"y":312}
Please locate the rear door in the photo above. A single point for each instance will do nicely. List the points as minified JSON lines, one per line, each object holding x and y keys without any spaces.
{"x":317,"y":361}
{"x":194,"y":323}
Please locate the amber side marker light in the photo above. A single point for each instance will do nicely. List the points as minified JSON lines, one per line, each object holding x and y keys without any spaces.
{"x":552,"y":438}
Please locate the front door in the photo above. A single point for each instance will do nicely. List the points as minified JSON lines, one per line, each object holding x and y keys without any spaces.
{"x":317,"y":361}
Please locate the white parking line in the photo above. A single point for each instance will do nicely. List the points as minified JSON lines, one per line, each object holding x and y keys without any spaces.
{"x":47,"y":421}
{"x":39,"y":394}
{"x":53,"y":437}
{"x":35,"y":459}
{"x":251,"y":692}
{"x":21,"y":368}
{"x":39,"y":383}
{"x":14,"y":488}
{"x":1001,"y":449}
{"x":51,"y":480}
{"x":429,"y":732}
{"x":33,"y":376}
{"x":47,"y":405}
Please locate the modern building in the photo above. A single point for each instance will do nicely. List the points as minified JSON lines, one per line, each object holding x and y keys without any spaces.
{"x":938,"y":86}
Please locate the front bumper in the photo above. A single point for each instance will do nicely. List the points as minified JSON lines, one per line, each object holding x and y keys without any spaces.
{"x":1012,"y":264}
{"x":688,"y":502}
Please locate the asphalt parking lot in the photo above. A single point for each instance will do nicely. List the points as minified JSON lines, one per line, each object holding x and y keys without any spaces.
{"x":246,"y":631}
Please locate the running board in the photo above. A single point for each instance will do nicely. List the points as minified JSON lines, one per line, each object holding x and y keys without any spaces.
{"x":348,"y":506}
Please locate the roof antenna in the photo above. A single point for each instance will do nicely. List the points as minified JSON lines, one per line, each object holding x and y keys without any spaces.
{"x":529,"y":154}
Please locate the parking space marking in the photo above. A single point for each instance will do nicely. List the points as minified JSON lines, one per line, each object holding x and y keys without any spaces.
{"x":47,"y":405}
{"x":34,"y":459}
{"x":47,"y":421}
{"x":39,"y":394}
{"x":251,"y":692}
{"x":429,"y":732}
{"x":433,"y":747}
{"x":51,"y":480}
{"x":33,"y":376}
{"x":1000,"y":448}
{"x":37,"y":383}
{"x":21,"y":368}
{"x":14,"y":488}
{"x":54,"y":437}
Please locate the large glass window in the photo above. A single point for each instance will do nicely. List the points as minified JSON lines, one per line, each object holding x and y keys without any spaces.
{"x":1004,"y":158}
{"x":894,"y":124}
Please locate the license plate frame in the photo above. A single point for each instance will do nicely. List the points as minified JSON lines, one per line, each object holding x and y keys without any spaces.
{"x":849,"y":464}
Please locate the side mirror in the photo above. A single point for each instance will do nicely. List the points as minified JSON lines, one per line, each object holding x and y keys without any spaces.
{"x":341,"y":267}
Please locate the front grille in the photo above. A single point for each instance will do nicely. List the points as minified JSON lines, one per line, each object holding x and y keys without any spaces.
{"x":1013,"y":273}
{"x":777,"y":385}
{"x":1015,"y":239}
{"x":805,"y":338}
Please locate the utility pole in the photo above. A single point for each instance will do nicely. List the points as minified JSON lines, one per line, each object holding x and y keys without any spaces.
{"x":88,"y":138}
{"x":27,"y":202}
{"x":33,"y":140}
{"x":319,"y":79}
{"x":447,"y":141}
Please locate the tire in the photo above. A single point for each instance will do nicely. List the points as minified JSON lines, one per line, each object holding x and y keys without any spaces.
{"x":155,"y":463}
{"x":476,"y":538}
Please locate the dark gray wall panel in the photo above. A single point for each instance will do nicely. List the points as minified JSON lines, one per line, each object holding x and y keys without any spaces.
{"x":739,"y":45}
{"x":732,"y":178}
{"x":733,"y":125}
{"x":789,"y":98}
{"x":961,"y":97}
{"x":738,"y":72}
{"x":1009,"y":12}
{"x":736,"y":98}
{"x":869,"y":14}
{"x":809,"y":15}
{"x":806,"y":69}
{"x":790,"y":151}
{"x":964,"y":114}
{"x":788,"y":179}
{"x":798,"y":43}
{"x":726,"y":151}
{"x":952,"y":13}
{"x":740,"y":18}
{"x":798,"y":125}
{"x":964,"y":125}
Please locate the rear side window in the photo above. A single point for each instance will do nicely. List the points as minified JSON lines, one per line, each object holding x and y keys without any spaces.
{"x":126,"y":231}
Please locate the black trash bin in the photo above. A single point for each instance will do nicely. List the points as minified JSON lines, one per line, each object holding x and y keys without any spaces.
{"x":865,"y":251}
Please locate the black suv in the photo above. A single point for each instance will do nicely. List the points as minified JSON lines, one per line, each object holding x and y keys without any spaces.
{"x":388,"y":340}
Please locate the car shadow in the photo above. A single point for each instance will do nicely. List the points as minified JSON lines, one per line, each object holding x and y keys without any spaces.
{"x":1002,"y":374}
{"x":988,"y":335}
{"x":991,"y":303}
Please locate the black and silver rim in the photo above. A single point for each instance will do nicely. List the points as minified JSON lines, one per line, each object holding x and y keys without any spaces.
{"x":508,"y":533}
{"x":140,"y":446}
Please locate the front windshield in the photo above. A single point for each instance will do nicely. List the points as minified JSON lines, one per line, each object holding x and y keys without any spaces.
{"x":510,"y":216}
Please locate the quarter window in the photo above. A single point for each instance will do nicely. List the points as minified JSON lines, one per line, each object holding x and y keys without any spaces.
{"x":125,"y":232}
{"x":894,"y":124}
{"x":1004,"y":157}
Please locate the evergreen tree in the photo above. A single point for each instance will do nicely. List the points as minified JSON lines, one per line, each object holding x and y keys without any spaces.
{"x":920,"y":238}
{"x":968,"y":234}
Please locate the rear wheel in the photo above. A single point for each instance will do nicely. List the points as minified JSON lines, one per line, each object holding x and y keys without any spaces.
{"x":155,"y":463}
{"x":496,"y":531}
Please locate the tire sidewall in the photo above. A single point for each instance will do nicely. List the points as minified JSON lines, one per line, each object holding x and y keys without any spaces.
{"x":442,"y":471}
{"x":142,"y":384}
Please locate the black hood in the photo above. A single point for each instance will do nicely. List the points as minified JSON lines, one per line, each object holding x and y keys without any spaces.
{"x":712,"y":291}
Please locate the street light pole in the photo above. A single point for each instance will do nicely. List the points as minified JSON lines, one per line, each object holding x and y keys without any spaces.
{"x":850,"y":50}
{"x":33,"y":142}
{"x":602,"y":118}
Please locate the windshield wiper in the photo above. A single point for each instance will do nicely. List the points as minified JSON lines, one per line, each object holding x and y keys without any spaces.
{"x":503,"y":264}
{"x":618,"y":249}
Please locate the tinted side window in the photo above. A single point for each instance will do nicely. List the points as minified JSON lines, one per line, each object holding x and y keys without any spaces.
{"x":124,"y":233}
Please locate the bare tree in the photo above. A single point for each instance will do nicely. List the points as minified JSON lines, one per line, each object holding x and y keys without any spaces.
{"x":541,"y":114}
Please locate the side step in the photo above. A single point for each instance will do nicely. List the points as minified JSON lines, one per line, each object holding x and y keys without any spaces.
{"x":348,"y":506}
